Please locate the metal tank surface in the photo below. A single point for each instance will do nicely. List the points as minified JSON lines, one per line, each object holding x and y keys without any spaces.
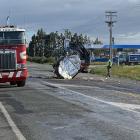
{"x":68,"y":67}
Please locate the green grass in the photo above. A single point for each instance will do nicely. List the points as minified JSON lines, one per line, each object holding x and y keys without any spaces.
{"x":98,"y":63}
{"x":132,"y":72}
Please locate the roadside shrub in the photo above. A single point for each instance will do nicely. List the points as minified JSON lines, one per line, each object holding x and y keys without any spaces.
{"x":98,"y":63}
{"x":51,"y":60}
{"x":41,"y":60}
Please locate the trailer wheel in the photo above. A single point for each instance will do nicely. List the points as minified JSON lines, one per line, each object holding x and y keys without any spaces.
{"x":21,"y":83}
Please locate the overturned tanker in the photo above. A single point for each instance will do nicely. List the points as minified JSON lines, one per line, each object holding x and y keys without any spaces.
{"x":68,"y":67}
{"x":76,"y":59}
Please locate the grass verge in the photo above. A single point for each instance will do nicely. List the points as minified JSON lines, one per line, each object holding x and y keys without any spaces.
{"x":132,"y":72}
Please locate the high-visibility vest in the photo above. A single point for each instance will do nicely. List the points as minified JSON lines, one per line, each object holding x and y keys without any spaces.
{"x":109,"y":63}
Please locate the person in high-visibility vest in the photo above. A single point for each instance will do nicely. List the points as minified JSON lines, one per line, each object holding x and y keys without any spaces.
{"x":109,"y":65}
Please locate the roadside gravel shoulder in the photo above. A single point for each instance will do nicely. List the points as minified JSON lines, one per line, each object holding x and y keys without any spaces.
{"x":46,"y":71}
{"x":88,"y":76}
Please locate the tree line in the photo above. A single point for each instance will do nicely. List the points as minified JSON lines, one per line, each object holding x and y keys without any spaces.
{"x":52,"y":44}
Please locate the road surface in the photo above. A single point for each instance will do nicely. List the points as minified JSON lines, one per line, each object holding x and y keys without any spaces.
{"x":85,"y":108}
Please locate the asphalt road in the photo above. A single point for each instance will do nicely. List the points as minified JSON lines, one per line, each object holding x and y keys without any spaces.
{"x":88,"y":107}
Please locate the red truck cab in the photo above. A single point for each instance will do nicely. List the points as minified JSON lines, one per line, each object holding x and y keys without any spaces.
{"x":13,"y":56}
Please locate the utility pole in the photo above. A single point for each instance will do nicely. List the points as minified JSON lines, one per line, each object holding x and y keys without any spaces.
{"x":43,"y":49}
{"x":67,"y":39}
{"x":66,"y":33}
{"x":43,"y":46}
{"x":34,"y":50}
{"x":8,"y":20}
{"x":110,"y":21}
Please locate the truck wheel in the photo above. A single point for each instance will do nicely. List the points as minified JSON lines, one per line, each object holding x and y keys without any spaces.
{"x":21,"y":83}
{"x":13,"y":83}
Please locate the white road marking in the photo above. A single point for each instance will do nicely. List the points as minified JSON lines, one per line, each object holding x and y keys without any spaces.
{"x":61,"y":127}
{"x":129,"y":106}
{"x":97,"y":88}
{"x":123,"y":106}
{"x":70,"y":85}
{"x":15,"y":129}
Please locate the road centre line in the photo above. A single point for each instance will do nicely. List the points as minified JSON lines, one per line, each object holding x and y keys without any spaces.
{"x":12,"y":124}
{"x":126,"y":107}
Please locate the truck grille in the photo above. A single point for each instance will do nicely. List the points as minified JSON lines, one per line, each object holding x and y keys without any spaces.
{"x":7,"y":60}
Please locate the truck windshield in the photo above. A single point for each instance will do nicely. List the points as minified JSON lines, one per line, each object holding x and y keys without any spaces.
{"x":12,"y":38}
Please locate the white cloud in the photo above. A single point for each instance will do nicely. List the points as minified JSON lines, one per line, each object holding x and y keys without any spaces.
{"x":129,"y":38}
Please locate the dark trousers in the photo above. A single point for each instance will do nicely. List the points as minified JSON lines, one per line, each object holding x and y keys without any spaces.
{"x":108,"y":71}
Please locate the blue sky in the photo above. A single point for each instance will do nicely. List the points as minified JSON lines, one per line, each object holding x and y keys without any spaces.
{"x":82,"y":16}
